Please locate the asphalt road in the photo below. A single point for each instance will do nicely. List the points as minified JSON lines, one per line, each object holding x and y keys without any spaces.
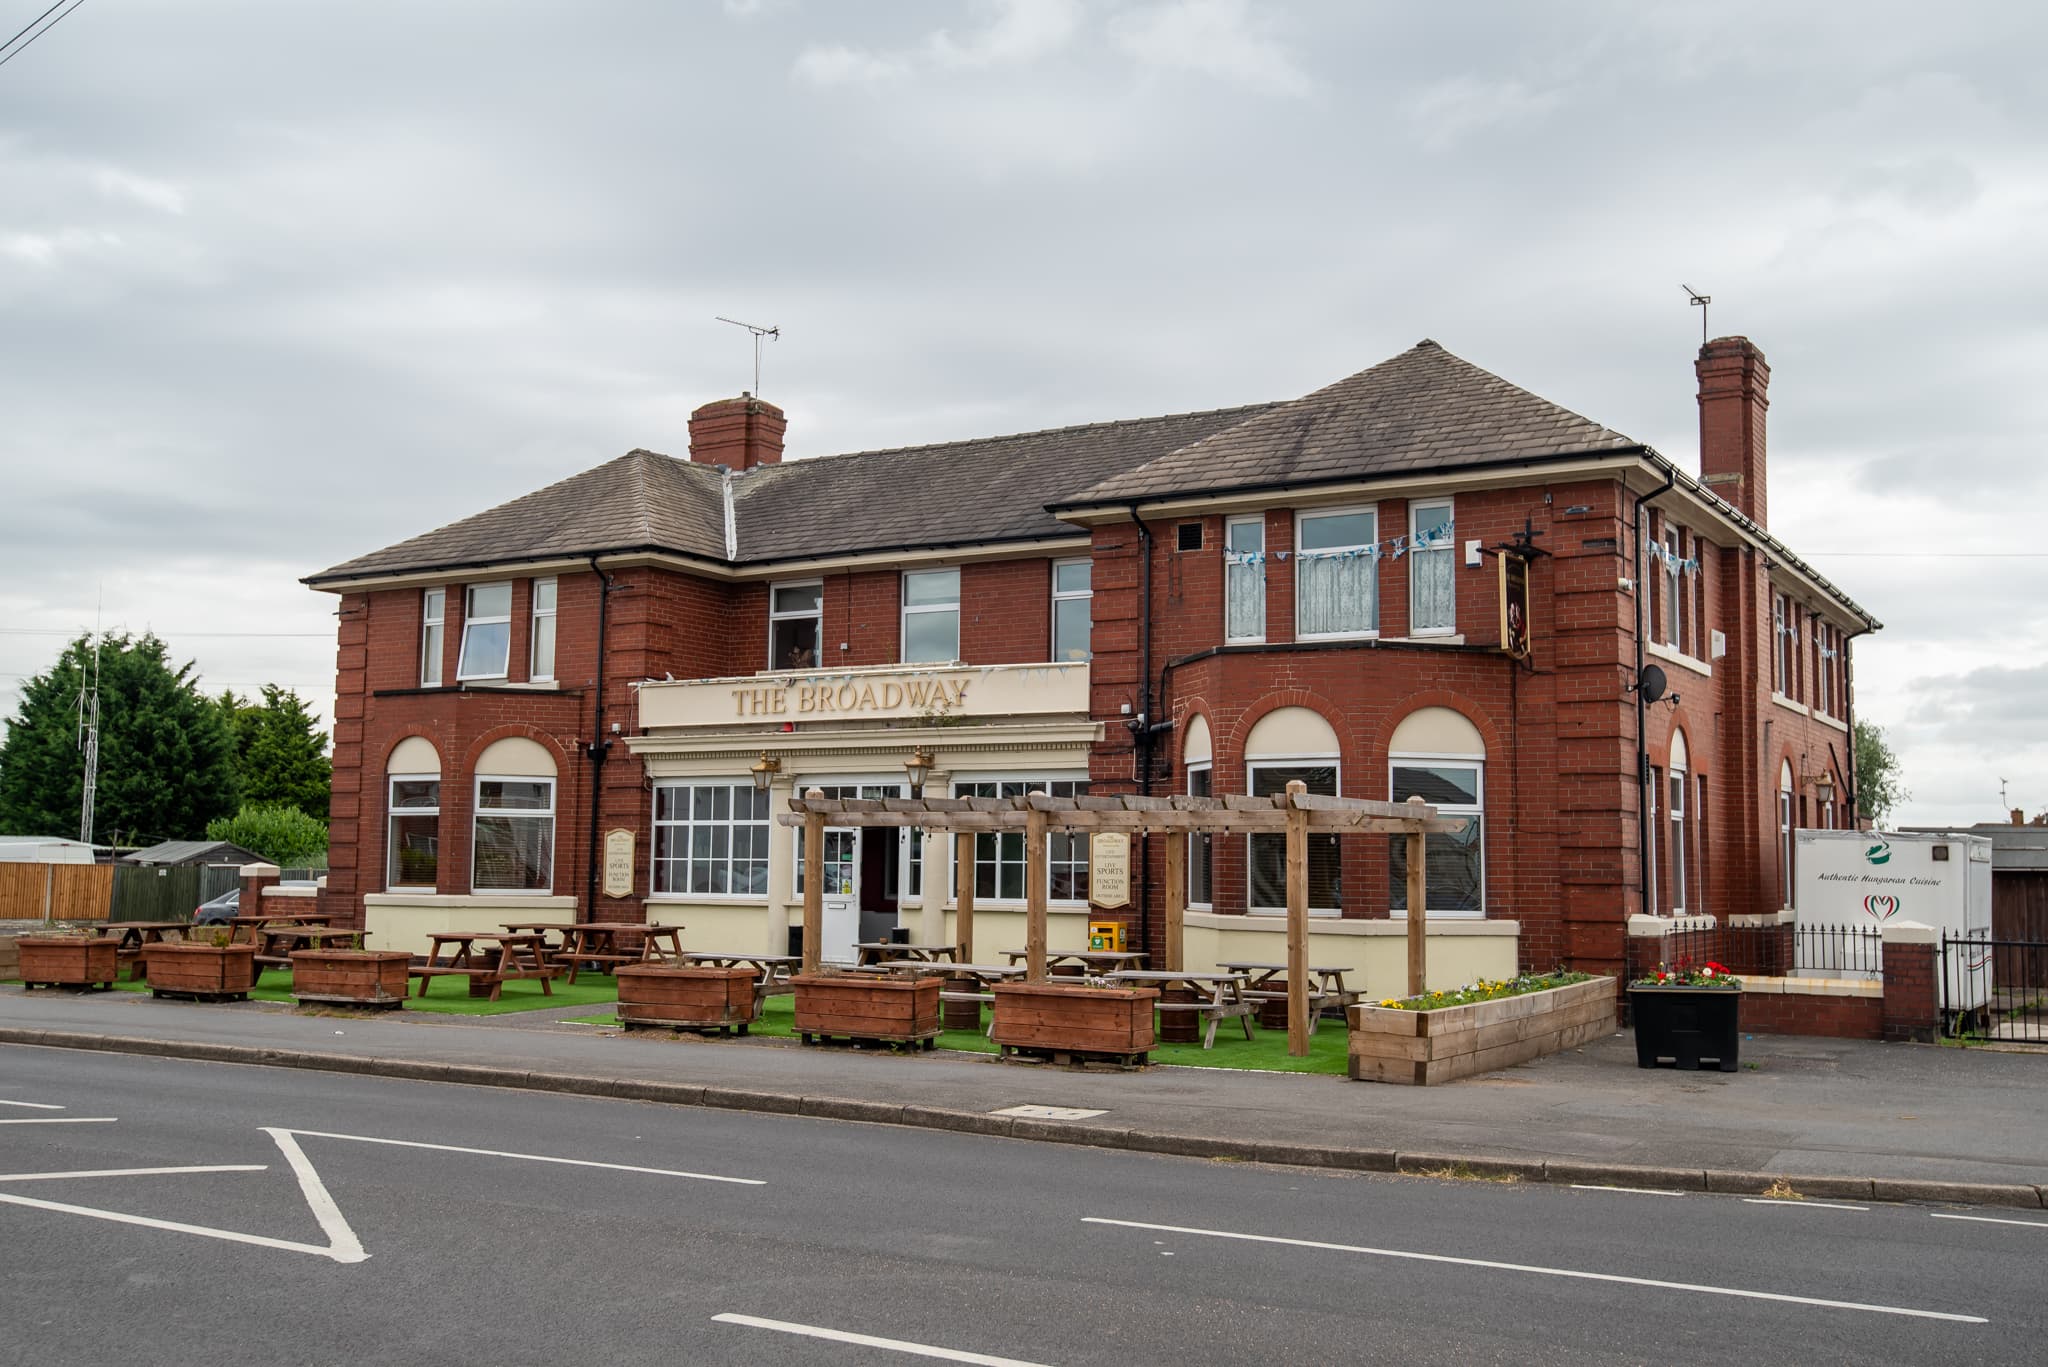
{"x":310,"y":1243}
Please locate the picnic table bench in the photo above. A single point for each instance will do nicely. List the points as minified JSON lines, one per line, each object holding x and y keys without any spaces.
{"x":274,"y":944}
{"x":603,"y":944}
{"x":772,"y":972}
{"x":1267,"y":984}
{"x":133,"y":935}
{"x":889,"y":951}
{"x":501,"y":957}
{"x":1213,"y":997}
{"x":964,"y":982}
{"x":1087,"y":960}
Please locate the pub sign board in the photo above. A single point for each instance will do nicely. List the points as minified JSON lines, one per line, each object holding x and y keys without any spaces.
{"x":618,"y":862}
{"x":1109,"y":870}
{"x":1514,"y":606}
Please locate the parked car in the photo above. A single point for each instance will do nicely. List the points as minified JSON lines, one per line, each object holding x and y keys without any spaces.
{"x":216,"y":912}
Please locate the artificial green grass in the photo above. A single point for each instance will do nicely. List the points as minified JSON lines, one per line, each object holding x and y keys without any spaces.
{"x":449,"y":996}
{"x":1266,"y":1050}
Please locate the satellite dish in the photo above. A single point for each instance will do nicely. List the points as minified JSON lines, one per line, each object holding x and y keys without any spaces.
{"x":1650,"y":683}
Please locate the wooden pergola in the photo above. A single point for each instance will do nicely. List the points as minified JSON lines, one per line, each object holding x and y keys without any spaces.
{"x":1293,"y":814}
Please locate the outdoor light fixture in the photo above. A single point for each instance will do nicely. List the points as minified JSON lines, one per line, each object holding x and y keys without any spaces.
{"x":917,"y":769}
{"x":765,"y":770}
{"x":1825,"y":786}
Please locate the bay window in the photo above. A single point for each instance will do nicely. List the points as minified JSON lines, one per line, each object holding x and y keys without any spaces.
{"x":412,"y":852}
{"x":433,"y":616}
{"x":1432,"y":589}
{"x":1336,"y":576}
{"x":1454,"y":866}
{"x":514,"y":847}
{"x":1244,"y":579}
{"x":486,"y":632}
{"x":543,"y":666}
{"x":1201,"y":844}
{"x":1266,"y":864}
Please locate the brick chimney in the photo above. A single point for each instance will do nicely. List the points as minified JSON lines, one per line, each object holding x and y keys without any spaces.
{"x":1734,"y":385}
{"x":737,"y":433}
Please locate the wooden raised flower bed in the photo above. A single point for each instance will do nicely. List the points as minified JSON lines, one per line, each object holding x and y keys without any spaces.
{"x":209,"y":972}
{"x":1071,"y":1023}
{"x":351,"y":977}
{"x":68,"y":961}
{"x":1424,"y":1047}
{"x":858,"y":1006}
{"x":1687,"y":1024}
{"x":692,"y":998}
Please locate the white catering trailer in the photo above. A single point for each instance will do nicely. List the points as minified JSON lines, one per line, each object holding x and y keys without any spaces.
{"x":1864,"y":879}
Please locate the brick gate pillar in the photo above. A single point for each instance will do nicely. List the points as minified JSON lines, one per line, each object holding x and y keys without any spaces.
{"x":255,"y":878}
{"x":1912,"y":1004}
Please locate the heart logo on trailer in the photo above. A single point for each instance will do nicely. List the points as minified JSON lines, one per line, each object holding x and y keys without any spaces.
{"x":1882,"y":906}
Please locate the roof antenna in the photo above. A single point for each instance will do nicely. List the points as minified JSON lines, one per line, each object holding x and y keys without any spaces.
{"x":759,"y":332}
{"x":88,"y":709}
{"x":1700,"y":302}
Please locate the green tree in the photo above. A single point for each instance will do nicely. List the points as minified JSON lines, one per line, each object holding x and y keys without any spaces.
{"x":279,"y":755}
{"x":1880,"y":787}
{"x":166,"y":759}
{"x":278,"y":831}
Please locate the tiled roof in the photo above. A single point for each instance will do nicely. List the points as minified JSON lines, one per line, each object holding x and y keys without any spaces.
{"x":1423,"y":410}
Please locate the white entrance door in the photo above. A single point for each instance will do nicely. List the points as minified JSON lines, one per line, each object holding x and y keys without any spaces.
{"x":841,"y":872}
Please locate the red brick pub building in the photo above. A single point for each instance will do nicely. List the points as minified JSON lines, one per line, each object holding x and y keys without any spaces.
{"x":587,"y":703}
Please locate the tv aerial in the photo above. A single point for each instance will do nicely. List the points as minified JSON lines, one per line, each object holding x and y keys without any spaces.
{"x":1700,"y":302}
{"x":759,"y":332}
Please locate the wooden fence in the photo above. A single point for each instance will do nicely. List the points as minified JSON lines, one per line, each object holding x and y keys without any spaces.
{"x":65,"y":892}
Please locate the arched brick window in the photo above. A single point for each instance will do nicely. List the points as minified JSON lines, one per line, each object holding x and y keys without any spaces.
{"x":412,"y":849}
{"x":1438,"y":755}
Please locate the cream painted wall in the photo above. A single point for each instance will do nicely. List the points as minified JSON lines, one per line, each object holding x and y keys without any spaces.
{"x":402,"y":923}
{"x":997,"y":930}
{"x":1373,"y":954}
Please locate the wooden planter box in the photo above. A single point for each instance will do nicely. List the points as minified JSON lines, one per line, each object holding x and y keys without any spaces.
{"x":720,"y":999}
{"x":1065,"y":1022}
{"x":215,"y":972}
{"x":1424,"y":1047}
{"x":862,"y":1007}
{"x":68,"y":961}
{"x":1688,"y":1025}
{"x":351,"y":977}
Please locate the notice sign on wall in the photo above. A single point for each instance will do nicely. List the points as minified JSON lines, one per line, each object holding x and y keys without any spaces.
{"x":618,"y":863}
{"x":1109,"y":870}
{"x":1514,"y":606}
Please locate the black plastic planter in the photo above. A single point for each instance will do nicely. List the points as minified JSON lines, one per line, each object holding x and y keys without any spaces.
{"x":1687,"y":1025}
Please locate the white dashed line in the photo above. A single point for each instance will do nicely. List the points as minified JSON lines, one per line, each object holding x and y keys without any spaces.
{"x":1633,"y":1191}
{"x":1992,"y":1220}
{"x":1804,"y":1205}
{"x":923,"y":1350}
{"x":127,"y":1172}
{"x":32,"y":1105}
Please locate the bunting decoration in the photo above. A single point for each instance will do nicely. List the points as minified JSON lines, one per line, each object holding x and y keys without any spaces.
{"x":1687,"y":565}
{"x":1436,"y":538}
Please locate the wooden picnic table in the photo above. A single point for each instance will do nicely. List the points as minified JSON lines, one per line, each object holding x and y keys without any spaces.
{"x":274,"y":944}
{"x":1267,"y":984}
{"x":772,"y":972}
{"x":501,"y":957}
{"x":542,"y":929}
{"x":598,"y":942}
{"x":963,"y":982}
{"x":133,"y":935}
{"x":1216,"y":997}
{"x":238,"y":923}
{"x":890,"y":951}
{"x":1092,"y":960}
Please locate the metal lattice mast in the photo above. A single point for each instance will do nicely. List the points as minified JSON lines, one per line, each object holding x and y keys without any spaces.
{"x":89,"y":738}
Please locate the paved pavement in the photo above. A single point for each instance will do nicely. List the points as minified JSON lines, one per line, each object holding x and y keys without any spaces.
{"x":1840,"y":1118}
{"x":310,"y":1217}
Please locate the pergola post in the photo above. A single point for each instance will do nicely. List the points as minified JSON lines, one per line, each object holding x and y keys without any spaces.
{"x":1418,"y":901}
{"x":1036,"y":876}
{"x":963,"y":893}
{"x":1176,"y":898}
{"x":814,"y":880}
{"x":1297,"y":923}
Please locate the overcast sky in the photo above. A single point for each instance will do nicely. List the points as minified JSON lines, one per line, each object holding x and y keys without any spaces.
{"x":281,"y":283}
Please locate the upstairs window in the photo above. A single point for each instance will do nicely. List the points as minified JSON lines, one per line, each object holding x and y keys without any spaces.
{"x":1432,"y":594}
{"x":1671,"y":633}
{"x":433,"y":617}
{"x":1828,"y":646}
{"x":1336,"y":580}
{"x":1781,"y":654}
{"x":795,"y":624}
{"x":931,"y":616}
{"x":486,"y":632}
{"x":543,"y":630}
{"x":1244,"y":579}
{"x":1072,"y":600}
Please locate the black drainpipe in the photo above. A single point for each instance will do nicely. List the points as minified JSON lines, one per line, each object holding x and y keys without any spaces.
{"x":1643,"y":708}
{"x":1142,"y":723}
{"x":1849,"y":710}
{"x":600,"y":744}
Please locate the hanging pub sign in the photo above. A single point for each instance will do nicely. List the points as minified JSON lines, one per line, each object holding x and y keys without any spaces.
{"x":1514,"y":606}
{"x":1109,"y":870}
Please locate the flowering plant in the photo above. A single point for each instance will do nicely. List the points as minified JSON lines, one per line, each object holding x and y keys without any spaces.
{"x":1685,"y":973}
{"x":1485,"y":990}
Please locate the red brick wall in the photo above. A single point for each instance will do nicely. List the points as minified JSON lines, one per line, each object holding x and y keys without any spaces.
{"x":1799,"y":1013}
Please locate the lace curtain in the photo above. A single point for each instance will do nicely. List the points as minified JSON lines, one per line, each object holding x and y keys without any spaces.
{"x":1245,"y":595}
{"x":1431,"y":599}
{"x":1334,"y":593}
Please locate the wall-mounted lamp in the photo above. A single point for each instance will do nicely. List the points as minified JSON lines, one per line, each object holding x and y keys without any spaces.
{"x":765,"y":769}
{"x":917,"y":769}
{"x":1824,"y":786}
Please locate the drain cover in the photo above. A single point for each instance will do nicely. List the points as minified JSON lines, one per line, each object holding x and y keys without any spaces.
{"x":1049,"y":1112}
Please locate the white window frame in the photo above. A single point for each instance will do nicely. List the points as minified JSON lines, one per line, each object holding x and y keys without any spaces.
{"x":1049,"y":777}
{"x":1251,"y":767}
{"x":476,"y":811}
{"x":1824,"y":692}
{"x":469,"y":592}
{"x":909,"y":865}
{"x":1786,"y":820}
{"x":1673,"y":612}
{"x":1675,"y":781}
{"x":1195,"y":839}
{"x":534,"y":672}
{"x":1446,"y":548}
{"x":391,"y":815}
{"x":1235,"y":559}
{"x":686,"y":824}
{"x":433,"y":635}
{"x":1412,"y":759}
{"x":1059,"y":596}
{"x":907,"y":610}
{"x":1301,"y":558}
{"x":816,"y":616}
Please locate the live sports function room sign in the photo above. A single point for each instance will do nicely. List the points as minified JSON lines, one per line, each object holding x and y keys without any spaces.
{"x":1109,"y":870}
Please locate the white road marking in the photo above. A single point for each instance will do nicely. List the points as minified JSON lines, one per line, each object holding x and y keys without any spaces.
{"x":923,"y":1350}
{"x":63,"y":1120}
{"x":128,"y":1172}
{"x":528,"y":1157}
{"x":1700,"y":1288}
{"x":1633,"y":1191}
{"x":123,"y":1218}
{"x":1805,"y":1205}
{"x":32,"y":1105}
{"x":347,"y":1248}
{"x":1992,"y":1220}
